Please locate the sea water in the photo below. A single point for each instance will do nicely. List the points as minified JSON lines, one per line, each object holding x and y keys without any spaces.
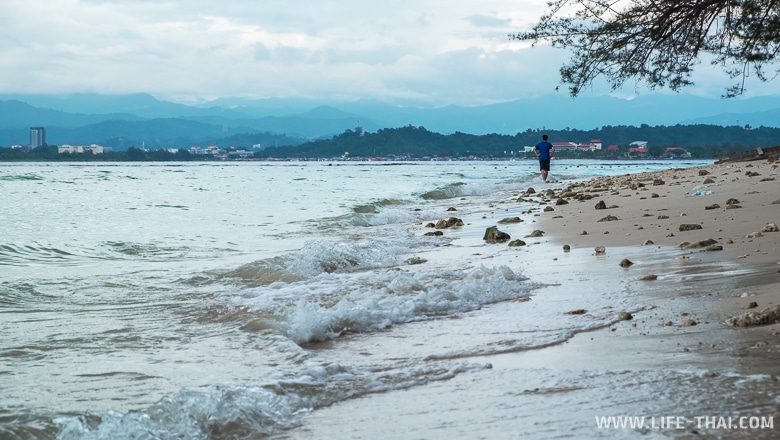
{"x":236,"y":299}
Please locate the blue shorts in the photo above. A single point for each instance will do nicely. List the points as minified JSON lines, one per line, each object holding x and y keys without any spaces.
{"x":544,"y":165}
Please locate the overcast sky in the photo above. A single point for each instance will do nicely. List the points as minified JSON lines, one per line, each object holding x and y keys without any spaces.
{"x":437,"y":51}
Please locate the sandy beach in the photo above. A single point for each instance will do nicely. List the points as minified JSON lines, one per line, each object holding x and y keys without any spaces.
{"x":693,"y":279}
{"x":735,"y":208}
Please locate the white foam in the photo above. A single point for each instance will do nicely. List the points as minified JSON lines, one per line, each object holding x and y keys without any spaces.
{"x":331,"y":304}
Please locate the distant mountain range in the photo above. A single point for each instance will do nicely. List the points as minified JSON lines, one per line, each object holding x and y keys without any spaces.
{"x":121,"y":121}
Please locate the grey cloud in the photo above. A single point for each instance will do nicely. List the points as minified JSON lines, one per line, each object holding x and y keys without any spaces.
{"x":482,"y":20}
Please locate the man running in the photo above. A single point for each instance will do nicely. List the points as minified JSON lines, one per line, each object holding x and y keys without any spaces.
{"x":544,"y":151}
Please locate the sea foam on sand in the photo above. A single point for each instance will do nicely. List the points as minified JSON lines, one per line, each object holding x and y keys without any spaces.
{"x":678,"y":357}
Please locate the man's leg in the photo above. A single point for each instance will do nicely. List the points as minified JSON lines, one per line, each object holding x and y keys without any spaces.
{"x":544,"y":175}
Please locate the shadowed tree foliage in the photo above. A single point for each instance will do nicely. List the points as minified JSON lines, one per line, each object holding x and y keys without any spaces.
{"x":660,"y":41}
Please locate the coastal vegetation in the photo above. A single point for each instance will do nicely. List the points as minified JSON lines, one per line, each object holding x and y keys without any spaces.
{"x":410,"y":142}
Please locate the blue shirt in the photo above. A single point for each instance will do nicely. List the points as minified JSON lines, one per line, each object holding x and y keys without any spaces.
{"x":544,"y":148}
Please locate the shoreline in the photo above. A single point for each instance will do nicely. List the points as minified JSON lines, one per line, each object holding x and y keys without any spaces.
{"x":649,"y":209}
{"x":676,"y":356}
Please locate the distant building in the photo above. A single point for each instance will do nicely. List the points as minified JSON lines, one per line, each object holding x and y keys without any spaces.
{"x":594,"y":144}
{"x":561,"y":146}
{"x":75,"y":149}
{"x":211,"y":150}
{"x":637,"y":148}
{"x":37,"y":136}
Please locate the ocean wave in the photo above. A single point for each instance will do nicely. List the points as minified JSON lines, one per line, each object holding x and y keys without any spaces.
{"x":21,"y":177}
{"x":331,"y":305}
{"x":244,"y":412}
{"x":263,"y":273}
{"x":152,"y":251}
{"x":13,"y":254}
{"x":320,"y":256}
{"x":373,"y":208}
{"x":445,"y":192}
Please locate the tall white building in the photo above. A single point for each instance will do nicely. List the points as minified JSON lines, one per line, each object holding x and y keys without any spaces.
{"x":37,"y":136}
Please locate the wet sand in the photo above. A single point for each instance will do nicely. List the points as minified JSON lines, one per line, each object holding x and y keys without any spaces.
{"x":677,"y":357}
{"x":737,"y":206}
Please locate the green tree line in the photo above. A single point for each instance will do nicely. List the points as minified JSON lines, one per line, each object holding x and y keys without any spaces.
{"x":48,"y":153}
{"x":702,"y":141}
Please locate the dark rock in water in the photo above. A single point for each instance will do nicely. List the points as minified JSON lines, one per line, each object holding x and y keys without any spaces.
{"x":600,"y":250}
{"x":663,"y":217}
{"x":433,"y":233}
{"x":654,"y":196}
{"x":530,"y":190}
{"x":609,"y":218}
{"x":752,"y":305}
{"x":689,"y":323}
{"x":516,"y":243}
{"x":703,"y":172}
{"x":577,"y":312}
{"x":713,"y":206}
{"x":493,"y":235}
{"x":566,"y":248}
{"x":561,"y":201}
{"x":732,"y":202}
{"x":625,"y":316}
{"x":647,"y":243}
{"x":449,"y":223}
{"x":714,"y":247}
{"x":658,"y":181}
{"x":451,"y":208}
{"x":430,"y":225}
{"x":648,"y":278}
{"x":510,"y":220}
{"x":708,"y":181}
{"x":601,"y":205}
{"x":767,"y":316}
{"x":416,"y":260}
{"x":689,"y":227}
{"x":548,"y":209}
{"x":626,"y":263}
{"x":536,"y":233}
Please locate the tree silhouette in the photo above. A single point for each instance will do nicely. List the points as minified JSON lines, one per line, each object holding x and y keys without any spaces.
{"x":660,"y":41}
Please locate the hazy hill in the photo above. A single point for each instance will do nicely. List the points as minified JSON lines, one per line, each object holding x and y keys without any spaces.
{"x":136,"y":118}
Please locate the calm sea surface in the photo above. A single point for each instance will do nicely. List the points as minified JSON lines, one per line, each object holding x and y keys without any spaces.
{"x":233,"y":300}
